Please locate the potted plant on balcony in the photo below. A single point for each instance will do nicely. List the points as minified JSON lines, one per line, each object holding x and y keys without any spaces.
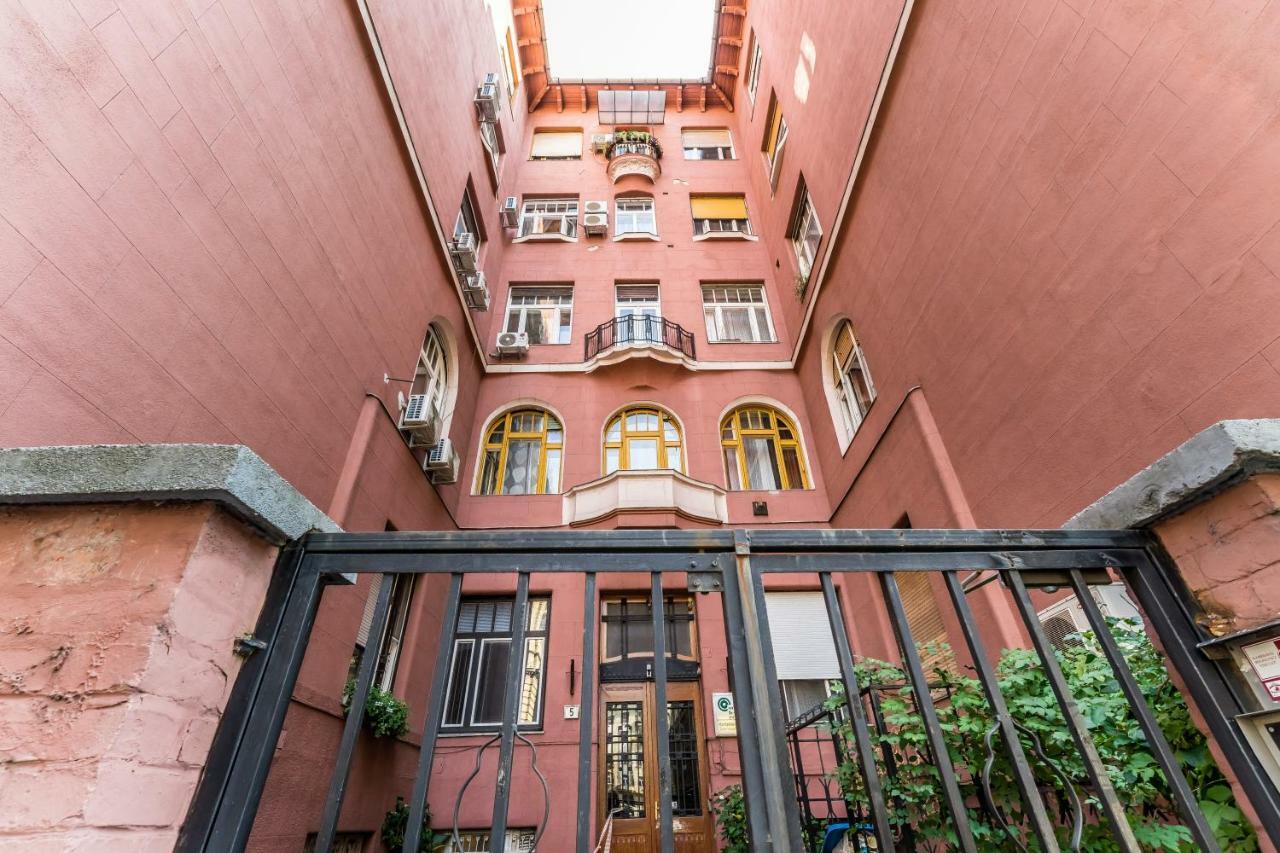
{"x":384,"y":714}
{"x":636,"y":137}
{"x":397,"y":821}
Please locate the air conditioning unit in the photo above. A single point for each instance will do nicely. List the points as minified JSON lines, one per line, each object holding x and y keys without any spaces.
{"x":513,"y":343}
{"x":486,"y":100}
{"x":1063,"y":619}
{"x":600,"y":142}
{"x":463,"y":252}
{"x":509,"y":213}
{"x":596,"y":224}
{"x":595,"y":207}
{"x":441,"y":462}
{"x":419,"y":419}
{"x":475,"y":290}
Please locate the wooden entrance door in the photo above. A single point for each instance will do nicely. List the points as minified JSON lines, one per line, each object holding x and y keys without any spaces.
{"x":629,"y":763}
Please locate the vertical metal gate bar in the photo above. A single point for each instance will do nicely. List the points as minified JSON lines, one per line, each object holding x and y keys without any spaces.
{"x":924,"y":704}
{"x":1161,"y":603}
{"x":785,"y":811}
{"x":665,"y":828}
{"x":435,"y":713}
{"x":510,"y":715}
{"x":585,"y":711}
{"x":1156,"y":740}
{"x":1111,"y":806}
{"x":1032,"y":799}
{"x":234,"y":729}
{"x":753,"y":783}
{"x":355,"y":716}
{"x":234,"y":819}
{"x":858,"y":715}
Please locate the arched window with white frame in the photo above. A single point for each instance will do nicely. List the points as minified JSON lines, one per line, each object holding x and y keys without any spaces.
{"x":851,"y":379}
{"x":429,"y":394}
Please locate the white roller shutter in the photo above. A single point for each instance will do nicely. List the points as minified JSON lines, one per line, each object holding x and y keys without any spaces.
{"x":802,"y":644}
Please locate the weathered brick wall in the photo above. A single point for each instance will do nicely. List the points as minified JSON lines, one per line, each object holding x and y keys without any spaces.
{"x":115,"y":662}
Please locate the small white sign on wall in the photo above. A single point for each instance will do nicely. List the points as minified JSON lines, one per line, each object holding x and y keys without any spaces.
{"x":571,"y":712}
{"x":1264,"y":658}
{"x":726,"y":720}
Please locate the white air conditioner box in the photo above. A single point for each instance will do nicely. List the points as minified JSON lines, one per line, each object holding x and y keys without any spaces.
{"x":487,"y":99}
{"x":463,"y":252}
{"x":596,"y":224}
{"x":441,"y":462}
{"x":513,"y":343}
{"x":1064,"y":618}
{"x":475,"y":290}
{"x":509,"y":212}
{"x":600,"y":142}
{"x":595,"y":207}
{"x":419,"y":418}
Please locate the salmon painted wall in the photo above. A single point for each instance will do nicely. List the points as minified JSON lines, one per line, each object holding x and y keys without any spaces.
{"x":1066,"y":232}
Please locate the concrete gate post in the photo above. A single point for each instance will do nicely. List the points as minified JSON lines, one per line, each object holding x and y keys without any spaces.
{"x":126,"y":575}
{"x":1214,"y":504}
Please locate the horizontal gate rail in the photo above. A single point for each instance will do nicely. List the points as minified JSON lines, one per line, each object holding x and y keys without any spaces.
{"x":735,"y":564}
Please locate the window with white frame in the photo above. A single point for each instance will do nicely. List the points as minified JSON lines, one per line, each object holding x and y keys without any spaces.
{"x":479,"y":661}
{"x":753,"y":69}
{"x":549,"y":217}
{"x":805,"y":232}
{"x":854,"y":389}
{"x":477,"y":841}
{"x":775,"y":141}
{"x":545,"y":314}
{"x":720,"y":214}
{"x":736,"y":313}
{"x":804,"y":650}
{"x":387,"y":647}
{"x":634,"y":215}
{"x":466,"y":222}
{"x":707,"y":144}
{"x":492,"y":147}
{"x":431,"y":378}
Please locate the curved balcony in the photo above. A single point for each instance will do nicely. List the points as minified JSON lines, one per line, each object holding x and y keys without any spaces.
{"x":654,"y":498}
{"x":634,"y":156}
{"x":638,"y":335}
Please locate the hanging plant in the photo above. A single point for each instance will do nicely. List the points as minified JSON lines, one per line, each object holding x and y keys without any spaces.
{"x":384,"y":714}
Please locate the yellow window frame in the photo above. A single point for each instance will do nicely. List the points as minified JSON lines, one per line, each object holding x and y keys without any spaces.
{"x":732,"y":434}
{"x":498,"y":437}
{"x":625,"y":436}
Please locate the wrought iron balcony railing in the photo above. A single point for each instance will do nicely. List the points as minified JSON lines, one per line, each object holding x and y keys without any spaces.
{"x":634,"y":156}
{"x":646,"y":149}
{"x":638,"y":329}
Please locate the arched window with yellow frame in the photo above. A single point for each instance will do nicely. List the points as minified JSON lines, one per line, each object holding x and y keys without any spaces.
{"x":762,"y":450}
{"x":643,"y":438}
{"x":521,"y":454}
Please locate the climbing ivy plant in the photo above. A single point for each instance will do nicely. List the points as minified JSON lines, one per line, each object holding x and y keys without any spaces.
{"x":914,"y":791}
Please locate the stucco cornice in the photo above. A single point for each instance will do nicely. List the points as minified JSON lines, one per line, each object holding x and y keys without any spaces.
{"x":230,"y":475}
{"x":1204,"y":465}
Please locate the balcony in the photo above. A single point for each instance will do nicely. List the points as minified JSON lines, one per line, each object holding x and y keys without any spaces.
{"x":638,"y":335}
{"x":645,"y":498}
{"x":634,"y":153}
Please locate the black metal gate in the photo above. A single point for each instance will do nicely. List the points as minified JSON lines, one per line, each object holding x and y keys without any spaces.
{"x":733,"y":563}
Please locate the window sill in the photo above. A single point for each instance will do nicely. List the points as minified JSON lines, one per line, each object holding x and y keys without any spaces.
{"x":771,"y":341}
{"x":487,"y":732}
{"x":545,"y":238}
{"x":848,"y":442}
{"x":636,"y":235}
{"x":725,"y":235}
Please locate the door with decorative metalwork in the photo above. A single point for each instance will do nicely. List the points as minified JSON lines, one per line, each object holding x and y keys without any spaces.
{"x":630,"y":770}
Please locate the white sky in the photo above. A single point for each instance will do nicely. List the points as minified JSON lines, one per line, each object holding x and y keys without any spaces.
{"x":596,"y":39}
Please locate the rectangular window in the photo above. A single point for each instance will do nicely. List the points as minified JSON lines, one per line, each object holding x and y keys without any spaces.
{"x":544,"y":313}
{"x":775,"y":141}
{"x":550,"y":217}
{"x":466,"y":222}
{"x":736,"y":313}
{"x":719,"y":214}
{"x":804,"y":232}
{"x":707,"y":144}
{"x":753,"y":69}
{"x":553,"y":144}
{"x":388,"y":645}
{"x":634,"y":216}
{"x":638,"y":309}
{"x":477,"y":841}
{"x":492,"y":147}
{"x":511,"y":64}
{"x":478,"y":668}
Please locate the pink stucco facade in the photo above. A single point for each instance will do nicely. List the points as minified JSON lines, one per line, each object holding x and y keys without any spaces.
{"x":1060,"y":251}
